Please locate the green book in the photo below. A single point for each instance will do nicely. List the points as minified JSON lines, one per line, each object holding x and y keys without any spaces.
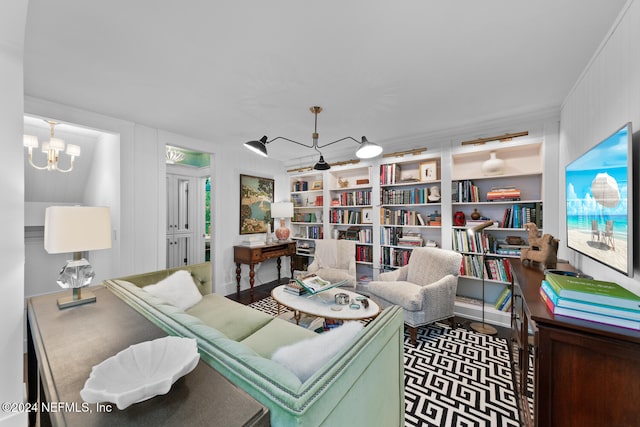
{"x":594,"y":291}
{"x":502,"y":297}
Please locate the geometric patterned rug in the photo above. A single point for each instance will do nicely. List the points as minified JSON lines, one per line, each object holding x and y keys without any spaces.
{"x":453,"y":377}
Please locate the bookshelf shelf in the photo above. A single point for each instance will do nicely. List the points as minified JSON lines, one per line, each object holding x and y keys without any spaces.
{"x":473,"y":190}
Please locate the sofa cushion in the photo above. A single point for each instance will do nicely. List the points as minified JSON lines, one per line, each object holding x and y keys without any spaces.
{"x":178,"y":289}
{"x":233,"y":319}
{"x":305,"y":357}
{"x":405,"y":294}
{"x":276,"y":334}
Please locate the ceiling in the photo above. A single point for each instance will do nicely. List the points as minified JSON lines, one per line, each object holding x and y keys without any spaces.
{"x":231,"y":71}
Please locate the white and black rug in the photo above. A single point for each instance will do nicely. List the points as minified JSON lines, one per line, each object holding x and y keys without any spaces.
{"x":453,"y":377}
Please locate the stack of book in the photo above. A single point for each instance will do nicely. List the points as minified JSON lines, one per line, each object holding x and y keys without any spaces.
{"x":294,"y":288}
{"x":411,"y":239}
{"x":594,"y":300}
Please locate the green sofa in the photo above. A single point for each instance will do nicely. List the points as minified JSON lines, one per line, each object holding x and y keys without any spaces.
{"x":362,"y":385}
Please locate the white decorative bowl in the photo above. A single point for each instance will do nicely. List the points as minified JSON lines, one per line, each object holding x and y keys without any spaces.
{"x":141,"y":371}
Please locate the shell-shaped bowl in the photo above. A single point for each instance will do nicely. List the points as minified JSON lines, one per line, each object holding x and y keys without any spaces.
{"x":141,"y":371}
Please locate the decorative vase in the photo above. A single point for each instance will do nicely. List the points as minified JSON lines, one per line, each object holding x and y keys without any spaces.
{"x":493,"y":166}
{"x":475,"y":214}
{"x":459,"y":219}
{"x":282,"y":233}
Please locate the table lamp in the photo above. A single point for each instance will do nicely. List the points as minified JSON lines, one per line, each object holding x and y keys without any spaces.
{"x":76,"y":229}
{"x":282,"y":210}
{"x":482,"y":328}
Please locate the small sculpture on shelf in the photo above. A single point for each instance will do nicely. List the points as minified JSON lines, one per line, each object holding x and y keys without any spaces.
{"x":343,"y":183}
{"x":434,"y":194}
{"x":542,"y":249}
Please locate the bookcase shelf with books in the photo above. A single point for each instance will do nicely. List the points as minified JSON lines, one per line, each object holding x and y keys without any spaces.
{"x":350,"y":210}
{"x":410,"y":208}
{"x":509,"y":195}
{"x":308,"y":204}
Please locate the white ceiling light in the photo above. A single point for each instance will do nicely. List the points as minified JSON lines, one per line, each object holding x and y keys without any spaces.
{"x":52,"y":149}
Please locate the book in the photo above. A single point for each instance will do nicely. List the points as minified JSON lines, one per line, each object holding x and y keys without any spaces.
{"x":624,"y":313}
{"x":294,"y":288}
{"x":502,"y":297}
{"x":594,"y":291}
{"x":585,"y":315}
{"x":314,"y":284}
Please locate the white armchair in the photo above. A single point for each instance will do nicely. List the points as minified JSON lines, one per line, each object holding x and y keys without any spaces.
{"x":425,"y":288}
{"x":335,"y":260}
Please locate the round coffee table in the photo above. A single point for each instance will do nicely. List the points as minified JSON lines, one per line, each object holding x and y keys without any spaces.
{"x":324,"y":305}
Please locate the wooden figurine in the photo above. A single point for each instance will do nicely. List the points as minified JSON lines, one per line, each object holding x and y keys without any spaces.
{"x":541,"y":249}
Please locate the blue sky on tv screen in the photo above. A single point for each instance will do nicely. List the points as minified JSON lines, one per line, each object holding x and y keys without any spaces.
{"x":610,"y":156}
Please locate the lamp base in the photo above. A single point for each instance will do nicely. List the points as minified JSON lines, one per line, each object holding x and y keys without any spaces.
{"x":483,"y":328}
{"x":78,"y":298}
{"x":282,"y":234}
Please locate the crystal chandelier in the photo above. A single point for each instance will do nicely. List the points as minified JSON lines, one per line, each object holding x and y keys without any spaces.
{"x":52,"y":149}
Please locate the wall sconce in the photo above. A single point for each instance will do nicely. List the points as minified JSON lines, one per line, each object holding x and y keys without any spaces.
{"x":366,"y":150}
{"x":52,"y":149}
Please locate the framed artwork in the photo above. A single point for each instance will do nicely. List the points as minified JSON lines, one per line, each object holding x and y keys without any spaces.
{"x":256,"y":196}
{"x":428,"y":171}
{"x":316,"y":185}
{"x":367,"y":215}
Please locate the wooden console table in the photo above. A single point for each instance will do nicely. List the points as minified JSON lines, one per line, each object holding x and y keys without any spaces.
{"x":585,"y":373}
{"x":253,"y":255}
{"x":65,"y":344}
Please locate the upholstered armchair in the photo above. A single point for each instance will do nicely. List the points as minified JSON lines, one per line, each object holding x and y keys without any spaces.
{"x":335,"y":260}
{"x":425,"y":288}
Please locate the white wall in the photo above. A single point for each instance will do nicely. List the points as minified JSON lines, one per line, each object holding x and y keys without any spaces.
{"x":605,"y":97}
{"x":12,"y":29}
{"x":103,"y":189}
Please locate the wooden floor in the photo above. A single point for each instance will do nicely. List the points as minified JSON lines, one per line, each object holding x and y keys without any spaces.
{"x":247,"y":297}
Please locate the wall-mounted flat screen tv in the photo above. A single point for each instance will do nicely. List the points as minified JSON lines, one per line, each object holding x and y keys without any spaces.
{"x":599,"y":202}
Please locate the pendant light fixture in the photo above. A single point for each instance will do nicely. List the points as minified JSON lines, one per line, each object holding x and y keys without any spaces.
{"x":52,"y":149}
{"x":366,"y":150}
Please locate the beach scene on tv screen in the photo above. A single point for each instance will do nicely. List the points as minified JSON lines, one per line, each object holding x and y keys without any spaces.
{"x":597,"y":216}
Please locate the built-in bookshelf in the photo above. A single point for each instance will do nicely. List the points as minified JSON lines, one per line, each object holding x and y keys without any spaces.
{"x":307,"y":196}
{"x":509,"y":199}
{"x":392,"y":205}
{"x":350,"y":211}
{"x":410,"y":207}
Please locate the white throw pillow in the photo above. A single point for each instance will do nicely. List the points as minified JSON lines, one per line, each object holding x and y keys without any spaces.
{"x":178,"y":290}
{"x":305,"y":357}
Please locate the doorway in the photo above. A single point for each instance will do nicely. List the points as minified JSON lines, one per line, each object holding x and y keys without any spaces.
{"x":188,"y":183}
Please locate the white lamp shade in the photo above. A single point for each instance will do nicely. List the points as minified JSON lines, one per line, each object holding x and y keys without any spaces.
{"x":56,"y":144}
{"x":73,"y":150}
{"x":76,"y":229}
{"x":368,"y":150}
{"x":282,"y":210}
{"x":30,"y":141}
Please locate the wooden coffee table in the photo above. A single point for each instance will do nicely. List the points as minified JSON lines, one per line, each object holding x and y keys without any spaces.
{"x":323,"y":305}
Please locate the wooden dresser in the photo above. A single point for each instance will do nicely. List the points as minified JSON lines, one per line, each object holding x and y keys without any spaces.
{"x":585,"y":373}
